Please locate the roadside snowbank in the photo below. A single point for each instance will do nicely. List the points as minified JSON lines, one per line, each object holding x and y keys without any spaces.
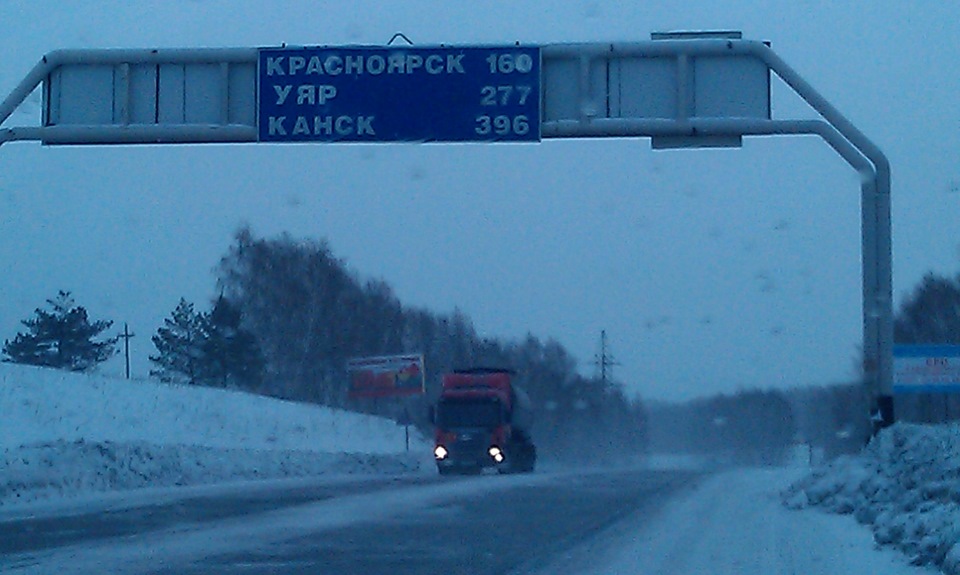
{"x":905,"y":485}
{"x":66,"y":435}
{"x":733,"y":523}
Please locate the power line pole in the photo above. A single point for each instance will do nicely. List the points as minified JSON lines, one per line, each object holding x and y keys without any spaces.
{"x":604,"y":360}
{"x":126,"y":346}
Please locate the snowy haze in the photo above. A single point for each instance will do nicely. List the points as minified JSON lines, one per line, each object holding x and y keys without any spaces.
{"x":709,"y":270}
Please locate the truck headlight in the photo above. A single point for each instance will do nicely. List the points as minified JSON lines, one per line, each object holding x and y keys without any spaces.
{"x":440,"y":452}
{"x":496,"y":454}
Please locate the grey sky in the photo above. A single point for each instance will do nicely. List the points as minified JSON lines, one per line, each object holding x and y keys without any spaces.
{"x":710,"y":270}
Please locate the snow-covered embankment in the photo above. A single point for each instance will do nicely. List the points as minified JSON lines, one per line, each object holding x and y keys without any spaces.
{"x":905,"y":485}
{"x":66,"y":435}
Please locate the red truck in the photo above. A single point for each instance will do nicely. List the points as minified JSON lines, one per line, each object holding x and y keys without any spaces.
{"x":482,"y":420}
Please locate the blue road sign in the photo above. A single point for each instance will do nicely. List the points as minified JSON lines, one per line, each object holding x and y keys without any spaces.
{"x":399,"y":94}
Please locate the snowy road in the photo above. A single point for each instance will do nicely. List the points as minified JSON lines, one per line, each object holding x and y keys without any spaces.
{"x":627,"y":521}
{"x":25,"y":533}
{"x":417,"y":525}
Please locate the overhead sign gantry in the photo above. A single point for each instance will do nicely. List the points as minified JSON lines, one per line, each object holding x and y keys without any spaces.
{"x":680,"y":90}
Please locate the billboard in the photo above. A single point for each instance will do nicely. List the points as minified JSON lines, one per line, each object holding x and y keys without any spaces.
{"x":926,"y":368}
{"x":386,"y":376}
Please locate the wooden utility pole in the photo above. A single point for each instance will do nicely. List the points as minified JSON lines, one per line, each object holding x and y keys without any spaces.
{"x":126,"y":346}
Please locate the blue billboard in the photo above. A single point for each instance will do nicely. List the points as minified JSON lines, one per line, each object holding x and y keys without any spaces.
{"x":926,"y":368}
{"x":399,"y":94}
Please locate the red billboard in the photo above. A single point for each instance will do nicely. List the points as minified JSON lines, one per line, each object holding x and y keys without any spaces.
{"x":386,"y":376}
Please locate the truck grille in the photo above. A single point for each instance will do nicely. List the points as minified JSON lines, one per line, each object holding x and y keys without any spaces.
{"x":469,"y":445}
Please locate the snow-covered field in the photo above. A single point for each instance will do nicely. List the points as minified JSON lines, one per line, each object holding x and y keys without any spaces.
{"x":67,"y":436}
{"x":904,"y":487}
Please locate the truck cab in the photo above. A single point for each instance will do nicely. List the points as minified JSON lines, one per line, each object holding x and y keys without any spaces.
{"x":482,"y":421}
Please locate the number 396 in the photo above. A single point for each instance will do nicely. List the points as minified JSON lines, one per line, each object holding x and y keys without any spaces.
{"x":502,"y":125}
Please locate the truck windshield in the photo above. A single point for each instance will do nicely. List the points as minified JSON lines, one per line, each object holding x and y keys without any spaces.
{"x":452,"y":414}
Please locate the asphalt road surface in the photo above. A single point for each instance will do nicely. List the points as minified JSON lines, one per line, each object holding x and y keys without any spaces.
{"x":416,"y":525}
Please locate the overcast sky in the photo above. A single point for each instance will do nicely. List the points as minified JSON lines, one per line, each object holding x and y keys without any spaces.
{"x":710,"y":271}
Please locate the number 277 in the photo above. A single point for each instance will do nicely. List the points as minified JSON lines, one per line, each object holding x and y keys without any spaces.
{"x":502,"y":95}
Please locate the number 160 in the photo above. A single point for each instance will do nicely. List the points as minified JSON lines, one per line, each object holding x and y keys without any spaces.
{"x":509,"y":63}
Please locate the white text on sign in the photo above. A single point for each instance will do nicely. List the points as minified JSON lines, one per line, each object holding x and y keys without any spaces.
{"x":335,"y":65}
{"x":322,"y":126}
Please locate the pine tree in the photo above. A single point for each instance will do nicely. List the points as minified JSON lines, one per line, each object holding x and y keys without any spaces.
{"x":231,"y":355}
{"x":207,"y":348}
{"x":180,"y":346}
{"x":62,"y":338}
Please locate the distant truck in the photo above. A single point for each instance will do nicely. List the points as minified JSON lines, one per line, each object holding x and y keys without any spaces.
{"x":482,"y":420}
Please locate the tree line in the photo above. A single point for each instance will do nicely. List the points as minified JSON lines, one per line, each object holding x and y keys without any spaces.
{"x":764,"y":427}
{"x":752,"y":425}
{"x":749,"y":427}
{"x":289,"y":316}
{"x":311,"y":314}
{"x":208,"y":348}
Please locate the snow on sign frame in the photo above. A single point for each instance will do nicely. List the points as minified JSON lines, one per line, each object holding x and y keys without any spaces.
{"x":386,"y":376}
{"x":926,"y":369}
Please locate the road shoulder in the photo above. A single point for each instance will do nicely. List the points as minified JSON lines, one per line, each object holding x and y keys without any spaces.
{"x":734,"y":523}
